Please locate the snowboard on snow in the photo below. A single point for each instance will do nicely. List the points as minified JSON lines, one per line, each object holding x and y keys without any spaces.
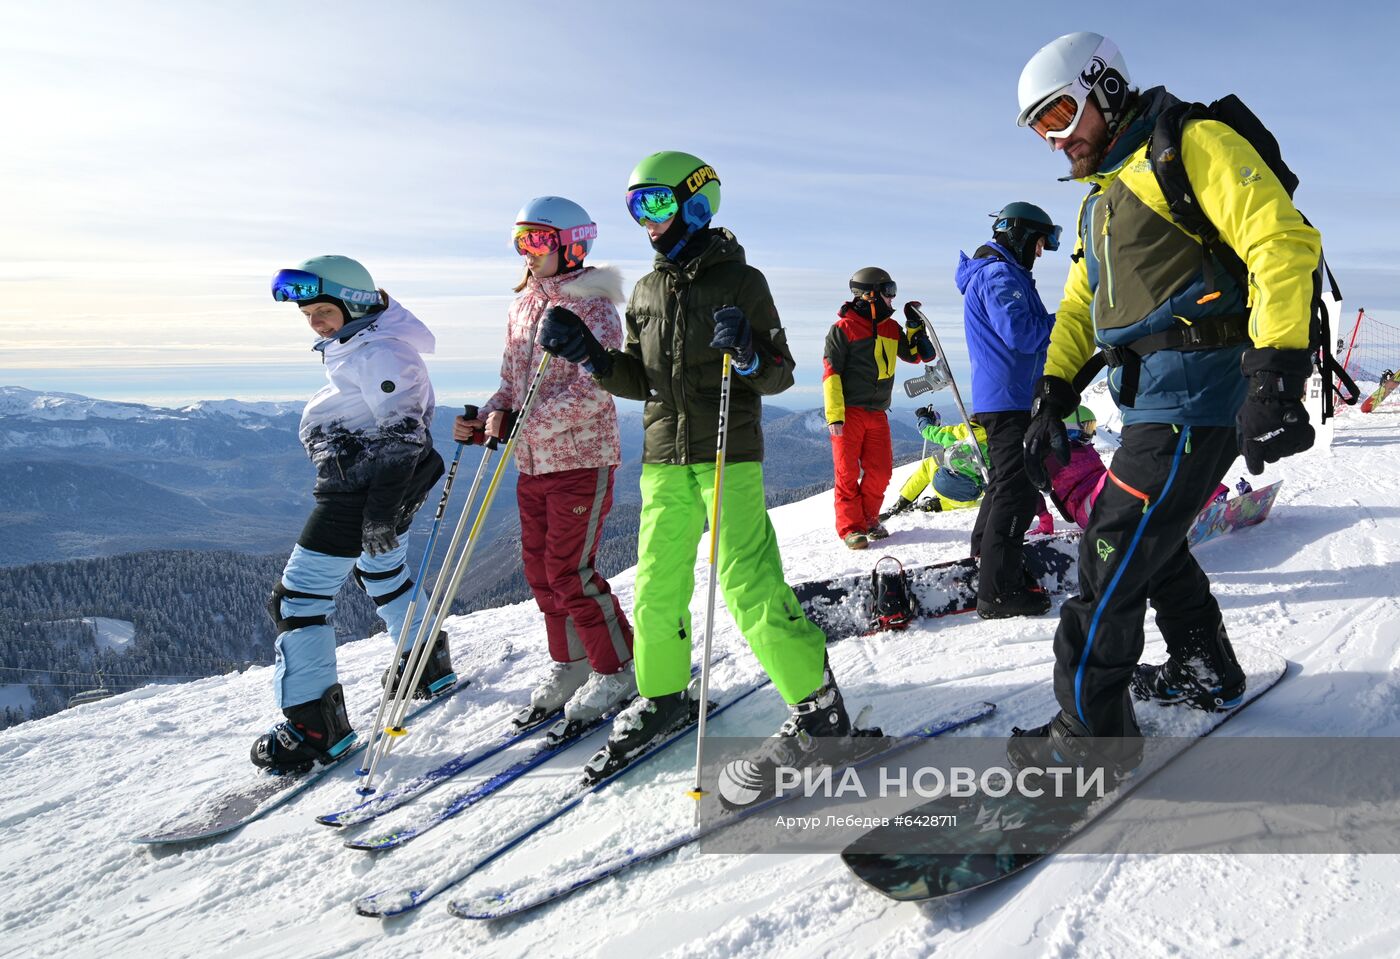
{"x":1022,"y":831}
{"x":843,"y":606}
{"x":1379,"y":395}
{"x":1228,"y":515}
{"x":262,"y":792}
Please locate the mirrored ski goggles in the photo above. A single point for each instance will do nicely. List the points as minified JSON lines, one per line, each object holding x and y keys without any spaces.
{"x":532,"y":239}
{"x":1058,"y":117}
{"x":884,"y":289}
{"x":299,"y":285}
{"x":655,"y":204}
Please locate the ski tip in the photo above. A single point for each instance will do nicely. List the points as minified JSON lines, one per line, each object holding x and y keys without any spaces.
{"x":385,"y":905}
{"x":330,"y":819}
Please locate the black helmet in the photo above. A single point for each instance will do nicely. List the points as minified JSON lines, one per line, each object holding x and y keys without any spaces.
{"x":872,"y":279}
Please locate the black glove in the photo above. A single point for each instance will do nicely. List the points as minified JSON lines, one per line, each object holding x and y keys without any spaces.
{"x":1054,"y":400}
{"x":733,"y":335}
{"x":565,"y":335}
{"x":926,"y":413}
{"x":918,"y":335}
{"x":1273,"y":423}
{"x":377,"y":537}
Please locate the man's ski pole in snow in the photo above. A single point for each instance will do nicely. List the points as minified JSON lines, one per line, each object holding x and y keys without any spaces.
{"x":399,"y":707}
{"x":724,"y":384}
{"x":390,"y":687}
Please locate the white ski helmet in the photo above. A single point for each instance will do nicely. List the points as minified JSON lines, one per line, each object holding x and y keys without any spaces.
{"x":1072,"y":67}
{"x":576,"y":228}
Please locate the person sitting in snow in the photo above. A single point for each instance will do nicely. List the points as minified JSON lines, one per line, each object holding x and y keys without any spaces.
{"x":366,"y":432}
{"x":952,"y":470}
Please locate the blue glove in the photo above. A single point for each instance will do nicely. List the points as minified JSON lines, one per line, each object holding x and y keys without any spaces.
{"x":563,"y":334}
{"x":733,"y":336}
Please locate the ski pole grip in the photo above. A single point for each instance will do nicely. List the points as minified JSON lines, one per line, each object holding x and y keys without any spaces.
{"x":471,"y":411}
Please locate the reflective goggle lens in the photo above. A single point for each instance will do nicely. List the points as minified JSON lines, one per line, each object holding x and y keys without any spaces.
{"x":1056,"y":117}
{"x":295,"y":285}
{"x":884,"y":289}
{"x":655,"y":204}
{"x":533,"y":240}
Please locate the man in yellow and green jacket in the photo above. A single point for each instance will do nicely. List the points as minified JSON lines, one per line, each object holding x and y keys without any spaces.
{"x":1203,"y":369}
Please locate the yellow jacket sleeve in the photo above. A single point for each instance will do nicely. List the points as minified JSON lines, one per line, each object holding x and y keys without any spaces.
{"x":1072,"y":338}
{"x":1257,"y":219}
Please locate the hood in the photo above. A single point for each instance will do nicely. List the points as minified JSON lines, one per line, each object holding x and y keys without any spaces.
{"x":969,"y":266}
{"x":592,"y":282}
{"x":717,"y":245}
{"x":392,"y":323}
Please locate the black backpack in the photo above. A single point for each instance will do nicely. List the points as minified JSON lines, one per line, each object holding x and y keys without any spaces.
{"x":892,"y":607}
{"x":1164,"y":153}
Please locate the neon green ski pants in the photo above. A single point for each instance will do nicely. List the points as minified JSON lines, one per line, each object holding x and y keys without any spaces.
{"x":676,"y":504}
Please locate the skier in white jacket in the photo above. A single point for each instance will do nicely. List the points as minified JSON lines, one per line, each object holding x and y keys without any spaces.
{"x":366,"y":432}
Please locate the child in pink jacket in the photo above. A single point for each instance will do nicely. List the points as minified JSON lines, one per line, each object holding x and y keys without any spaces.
{"x":566,"y":454}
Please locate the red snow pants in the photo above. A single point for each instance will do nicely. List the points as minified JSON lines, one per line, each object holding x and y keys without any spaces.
{"x":864,"y":461}
{"x":561,"y":521}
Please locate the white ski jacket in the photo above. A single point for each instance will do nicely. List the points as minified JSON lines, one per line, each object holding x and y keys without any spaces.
{"x":366,"y":430}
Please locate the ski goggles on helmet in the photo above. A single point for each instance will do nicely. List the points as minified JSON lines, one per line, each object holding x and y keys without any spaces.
{"x":1058,"y":117}
{"x":657,"y":204}
{"x":1080,"y":430}
{"x":534,"y":239}
{"x":887,"y":288}
{"x":299,"y":286}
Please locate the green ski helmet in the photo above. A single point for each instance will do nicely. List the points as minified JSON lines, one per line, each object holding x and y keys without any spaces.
{"x":673,"y":184}
{"x":1081,"y":425}
{"x":330,"y":279}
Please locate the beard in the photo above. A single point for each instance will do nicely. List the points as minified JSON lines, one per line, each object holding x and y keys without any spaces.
{"x":1090,"y":161}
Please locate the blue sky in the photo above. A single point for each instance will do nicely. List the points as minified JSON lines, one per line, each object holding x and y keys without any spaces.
{"x":163,"y":160}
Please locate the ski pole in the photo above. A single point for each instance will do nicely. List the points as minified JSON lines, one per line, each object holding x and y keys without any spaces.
{"x":698,"y":792}
{"x":471,"y":412}
{"x":396,"y":728}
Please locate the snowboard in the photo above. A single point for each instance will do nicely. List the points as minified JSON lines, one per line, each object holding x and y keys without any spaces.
{"x":1378,"y":396}
{"x":1023,"y":830}
{"x":842,"y":606}
{"x":262,"y":792}
{"x":1228,"y":515}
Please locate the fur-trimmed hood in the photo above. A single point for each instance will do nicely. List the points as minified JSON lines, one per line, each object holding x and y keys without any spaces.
{"x":589,"y":283}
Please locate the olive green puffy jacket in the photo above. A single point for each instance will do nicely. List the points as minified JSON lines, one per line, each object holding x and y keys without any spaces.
{"x":667,"y":362}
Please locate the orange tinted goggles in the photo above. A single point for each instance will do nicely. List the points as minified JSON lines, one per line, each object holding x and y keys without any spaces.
{"x":1057,"y":117}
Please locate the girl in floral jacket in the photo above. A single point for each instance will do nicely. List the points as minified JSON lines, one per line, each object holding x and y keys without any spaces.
{"x":566,"y":454}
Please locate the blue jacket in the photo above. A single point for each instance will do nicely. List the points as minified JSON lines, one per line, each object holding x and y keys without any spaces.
{"x":1007,"y":329}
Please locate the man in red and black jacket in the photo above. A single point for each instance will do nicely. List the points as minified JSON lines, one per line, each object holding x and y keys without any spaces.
{"x":858,"y":366}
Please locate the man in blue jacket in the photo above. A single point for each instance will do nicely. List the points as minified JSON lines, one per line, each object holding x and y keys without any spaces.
{"x":1008,"y":331}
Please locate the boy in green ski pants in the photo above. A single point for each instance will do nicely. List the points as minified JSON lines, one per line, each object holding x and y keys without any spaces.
{"x":700,"y":301}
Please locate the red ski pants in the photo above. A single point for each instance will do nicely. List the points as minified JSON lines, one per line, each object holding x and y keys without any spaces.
{"x":864,"y":461}
{"x":561,"y":521}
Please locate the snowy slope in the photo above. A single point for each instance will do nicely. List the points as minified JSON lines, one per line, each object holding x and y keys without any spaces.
{"x":1316,"y":583}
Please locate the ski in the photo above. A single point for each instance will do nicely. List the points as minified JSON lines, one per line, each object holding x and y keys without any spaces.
{"x":397,"y":902}
{"x":392,"y":799}
{"x":1023,"y":831}
{"x":1226,"y":516}
{"x":524,"y":898}
{"x":842,"y":606}
{"x":233,"y":808}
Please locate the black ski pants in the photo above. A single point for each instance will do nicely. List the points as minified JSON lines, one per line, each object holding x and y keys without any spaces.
{"x":1008,"y":505}
{"x":1134,"y":551}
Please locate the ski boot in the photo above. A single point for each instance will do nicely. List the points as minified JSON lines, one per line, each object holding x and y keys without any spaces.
{"x":313,"y":732}
{"x":930,"y":504}
{"x":1206,"y":676}
{"x":901,"y":505}
{"x":877,"y":531}
{"x":604,"y":693}
{"x":1027,"y":601}
{"x":549,"y":697}
{"x":637,"y":727}
{"x":1064,"y":741}
{"x":856,"y":540}
{"x":437,"y":677}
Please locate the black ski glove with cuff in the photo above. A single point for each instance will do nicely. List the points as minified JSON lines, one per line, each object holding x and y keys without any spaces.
{"x":1054,"y":399}
{"x":377,"y":537}
{"x":734,"y":336}
{"x":564,"y":334}
{"x":1273,"y":423}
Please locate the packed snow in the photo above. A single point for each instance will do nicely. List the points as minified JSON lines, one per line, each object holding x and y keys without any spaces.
{"x":112,"y":634}
{"x":1314,"y":583}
